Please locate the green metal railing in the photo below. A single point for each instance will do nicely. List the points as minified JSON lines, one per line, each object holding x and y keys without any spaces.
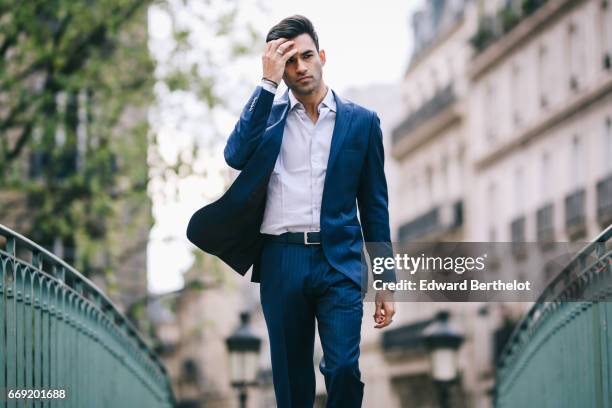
{"x":560,"y":354}
{"x":59,"y":332}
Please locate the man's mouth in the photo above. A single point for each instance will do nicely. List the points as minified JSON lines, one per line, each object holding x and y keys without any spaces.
{"x":304,"y":78}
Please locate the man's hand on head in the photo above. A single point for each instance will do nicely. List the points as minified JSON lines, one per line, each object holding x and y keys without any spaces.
{"x":385,"y":308}
{"x":274,"y":58}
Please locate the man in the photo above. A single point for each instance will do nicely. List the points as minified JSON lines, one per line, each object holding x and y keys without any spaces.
{"x":305,"y":160}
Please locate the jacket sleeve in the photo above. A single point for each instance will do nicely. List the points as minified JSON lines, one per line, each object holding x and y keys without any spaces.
{"x":372,"y":199}
{"x":249,"y":129}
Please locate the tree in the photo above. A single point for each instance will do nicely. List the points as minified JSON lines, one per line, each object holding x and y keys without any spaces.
{"x":76,"y":146}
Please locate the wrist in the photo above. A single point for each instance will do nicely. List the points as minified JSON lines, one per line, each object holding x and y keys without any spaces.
{"x":275,"y":83}
{"x":269,"y":85}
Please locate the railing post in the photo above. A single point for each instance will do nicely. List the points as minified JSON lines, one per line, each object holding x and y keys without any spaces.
{"x":11,"y":334}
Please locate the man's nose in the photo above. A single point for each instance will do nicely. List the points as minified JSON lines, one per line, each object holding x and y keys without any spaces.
{"x":301,"y":66}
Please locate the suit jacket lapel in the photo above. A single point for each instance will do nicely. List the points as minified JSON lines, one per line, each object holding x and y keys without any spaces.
{"x":344,"y":113}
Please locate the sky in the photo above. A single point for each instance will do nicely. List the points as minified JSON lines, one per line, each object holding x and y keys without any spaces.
{"x":365,"y":43}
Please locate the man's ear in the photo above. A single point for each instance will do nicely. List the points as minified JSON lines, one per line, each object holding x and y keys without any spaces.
{"x":322,"y":56}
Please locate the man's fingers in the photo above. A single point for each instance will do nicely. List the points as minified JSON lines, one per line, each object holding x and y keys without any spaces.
{"x":379,"y":313}
{"x":383,"y":315}
{"x":377,"y":308}
{"x":284,"y":46}
{"x":290,"y":54}
{"x":274,"y":44}
{"x":383,"y":323}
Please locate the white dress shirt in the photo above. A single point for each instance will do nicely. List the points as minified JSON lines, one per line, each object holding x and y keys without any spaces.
{"x":296,"y":185}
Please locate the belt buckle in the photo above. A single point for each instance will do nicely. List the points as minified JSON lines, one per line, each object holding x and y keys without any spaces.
{"x":306,"y":239}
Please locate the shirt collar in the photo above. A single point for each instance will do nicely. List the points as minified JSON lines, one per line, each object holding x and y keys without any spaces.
{"x":328,"y":101}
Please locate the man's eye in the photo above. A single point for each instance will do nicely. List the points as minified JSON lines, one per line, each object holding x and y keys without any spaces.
{"x":307,"y":56}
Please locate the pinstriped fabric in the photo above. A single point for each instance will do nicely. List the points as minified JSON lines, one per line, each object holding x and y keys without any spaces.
{"x":298,"y":289}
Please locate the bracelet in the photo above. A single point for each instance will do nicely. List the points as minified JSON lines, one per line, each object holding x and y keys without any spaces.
{"x":270,"y":81}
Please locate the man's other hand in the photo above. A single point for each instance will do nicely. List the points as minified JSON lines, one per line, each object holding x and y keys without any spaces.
{"x":385,"y":308}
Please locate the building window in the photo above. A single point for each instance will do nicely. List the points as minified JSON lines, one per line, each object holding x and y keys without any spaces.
{"x":519,"y":188}
{"x":576,"y":55}
{"x":545,"y":231}
{"x":577,"y":164}
{"x":518,"y":236}
{"x":82,"y":127}
{"x":444,"y":175}
{"x":517,"y":95}
{"x":421,"y":98}
{"x":544,"y":76}
{"x":490,"y":114}
{"x":429,"y":184}
{"x":492,"y":211}
{"x":606,"y":31}
{"x":607,"y":146}
{"x":545,"y":179}
{"x":435,"y":81}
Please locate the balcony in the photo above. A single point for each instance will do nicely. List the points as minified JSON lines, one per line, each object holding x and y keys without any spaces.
{"x":440,"y":101}
{"x":498,"y":35}
{"x":492,"y":28}
{"x":436,"y":221}
{"x":545,"y":230}
{"x":435,"y":113}
{"x":420,"y":226}
{"x":604,"y":201}
{"x":575,"y":218}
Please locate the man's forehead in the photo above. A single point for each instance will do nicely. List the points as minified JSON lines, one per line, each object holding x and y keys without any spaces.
{"x":304,"y":42}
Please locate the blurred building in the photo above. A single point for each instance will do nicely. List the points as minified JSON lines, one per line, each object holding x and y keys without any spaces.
{"x":541,"y":124}
{"x":507,"y":137}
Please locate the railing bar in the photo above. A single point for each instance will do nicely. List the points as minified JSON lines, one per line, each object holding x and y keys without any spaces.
{"x":38,"y":335}
{"x":29,"y":332}
{"x":3,"y":345}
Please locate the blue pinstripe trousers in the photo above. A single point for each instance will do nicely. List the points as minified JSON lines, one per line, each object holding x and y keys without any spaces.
{"x":297,"y":286}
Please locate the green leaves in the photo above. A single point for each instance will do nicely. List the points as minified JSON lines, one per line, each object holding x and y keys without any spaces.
{"x":75,"y":83}
{"x":80,"y":108}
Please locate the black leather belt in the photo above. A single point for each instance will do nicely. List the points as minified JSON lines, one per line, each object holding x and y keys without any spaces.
{"x":304,"y":238}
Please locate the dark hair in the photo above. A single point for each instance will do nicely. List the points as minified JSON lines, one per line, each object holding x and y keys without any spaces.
{"x":291,"y":27}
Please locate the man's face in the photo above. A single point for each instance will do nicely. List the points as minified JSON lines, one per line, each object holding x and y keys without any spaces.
{"x":304,"y":71}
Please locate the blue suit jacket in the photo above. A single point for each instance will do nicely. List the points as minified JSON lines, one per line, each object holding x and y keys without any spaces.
{"x":229,"y":227}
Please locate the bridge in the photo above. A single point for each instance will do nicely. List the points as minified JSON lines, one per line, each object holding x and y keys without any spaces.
{"x":560,"y":354}
{"x":64,"y":340}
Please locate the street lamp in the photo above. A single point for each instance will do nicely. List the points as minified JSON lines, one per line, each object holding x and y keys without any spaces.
{"x":443,"y":342}
{"x":243,"y":347}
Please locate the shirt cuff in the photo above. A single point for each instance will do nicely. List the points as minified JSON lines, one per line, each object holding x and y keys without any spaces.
{"x":268,"y":86}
